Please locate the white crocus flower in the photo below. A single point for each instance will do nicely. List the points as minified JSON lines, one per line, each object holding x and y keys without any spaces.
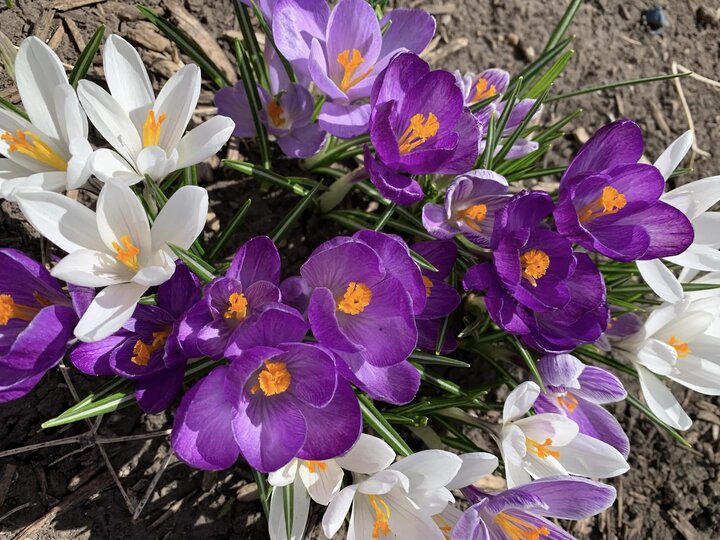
{"x":398,"y":501}
{"x":694,"y":200}
{"x":115,"y":247}
{"x":549,"y":444}
{"x":50,"y":151}
{"x":148,"y":134}
{"x":682,"y":346}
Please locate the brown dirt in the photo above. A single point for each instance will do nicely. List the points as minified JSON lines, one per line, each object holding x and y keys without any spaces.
{"x":670,"y":492}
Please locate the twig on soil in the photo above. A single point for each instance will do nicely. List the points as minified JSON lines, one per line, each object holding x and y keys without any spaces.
{"x":170,"y":511}
{"x":153,"y":484}
{"x":67,"y":5}
{"x":696,"y":150}
{"x":15,"y":510}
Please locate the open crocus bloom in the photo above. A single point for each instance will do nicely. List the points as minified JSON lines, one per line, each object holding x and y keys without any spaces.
{"x":115,"y":248}
{"x":550,"y":444}
{"x":680,"y":344}
{"x":521,"y":513}
{"x":50,"y":151}
{"x":148,"y":134}
{"x":344,"y":51}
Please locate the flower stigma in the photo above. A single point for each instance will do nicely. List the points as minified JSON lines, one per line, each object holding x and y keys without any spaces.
{"x":33,"y":148}
{"x":568,"y":402}
{"x":142,"y":351}
{"x":151,"y":128}
{"x":127,"y":254}
{"x":382,"y":515}
{"x":315,"y":466}
{"x":274,"y":379}
{"x":237,"y":308}
{"x":541,"y":449}
{"x":419,"y":131}
{"x":474,"y":215}
{"x":276,"y":112}
{"x":482,"y":91}
{"x":443,"y":525}
{"x":10,"y":310}
{"x":518,"y":529}
{"x":682,"y":347}
{"x":428,"y":285}
{"x":610,"y":202}
{"x":350,"y":62}
{"x":356,"y":298}
{"x":534,"y":265}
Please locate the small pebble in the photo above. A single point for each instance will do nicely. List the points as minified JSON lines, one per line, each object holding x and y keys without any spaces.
{"x":655,"y":18}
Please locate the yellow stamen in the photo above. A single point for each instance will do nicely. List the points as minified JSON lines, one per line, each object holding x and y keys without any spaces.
{"x":428,"y":285}
{"x":518,"y":529}
{"x":534,"y":265}
{"x":443,"y":525}
{"x":682,"y":347}
{"x":151,"y":128}
{"x":541,"y":449}
{"x":237,"y":308}
{"x":276,"y":112}
{"x":474,"y":215}
{"x":10,"y":310}
{"x":128,"y":254}
{"x":315,"y":466}
{"x":274,"y":379}
{"x":356,"y":298}
{"x":568,"y":401}
{"x":419,"y":131}
{"x":142,"y":351}
{"x":382,"y":515}
{"x":610,"y":202}
{"x":482,"y":91}
{"x":34,"y":148}
{"x":350,"y":62}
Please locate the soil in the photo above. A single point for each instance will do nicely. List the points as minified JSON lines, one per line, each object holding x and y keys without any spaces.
{"x":66,"y":491}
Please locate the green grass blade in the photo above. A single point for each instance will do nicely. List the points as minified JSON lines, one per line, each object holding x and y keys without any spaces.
{"x":563,"y":24}
{"x":515,"y":135}
{"x":251,"y":44}
{"x":289,"y":507}
{"x":376,"y":421}
{"x":263,"y":490}
{"x":532,"y":70}
{"x":429,"y":358}
{"x":86,"y":57}
{"x":422,"y":262}
{"x":528,"y":359}
{"x":294,"y":214}
{"x":228,"y":231}
{"x":202,"y":269}
{"x":618,"y":84}
{"x":265,"y":175}
{"x":655,"y":420}
{"x":5,"y":104}
{"x":544,"y":82}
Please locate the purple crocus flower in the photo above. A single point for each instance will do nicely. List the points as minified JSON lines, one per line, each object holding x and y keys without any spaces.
{"x":366,"y":290}
{"x":343,"y":52}
{"x":442,"y":298}
{"x":419,"y":125}
{"x":270,"y":405}
{"x":234,"y":305}
{"x":36,"y":322}
{"x":578,"y":391}
{"x":536,"y":287}
{"x":146,"y":349}
{"x":620,"y":326}
{"x":611,"y":204}
{"x":522,"y":512}
{"x":471,"y":202}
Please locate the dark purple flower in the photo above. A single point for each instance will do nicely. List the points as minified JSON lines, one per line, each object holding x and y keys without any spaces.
{"x":471,"y":202}
{"x":146,"y":349}
{"x":522,"y":512}
{"x":36,"y":322}
{"x":344,"y":51}
{"x":610,"y":203}
{"x":578,"y":391}
{"x":270,"y":405}
{"x":366,"y":290}
{"x":489,"y":83}
{"x":418,"y":125}
{"x":619,"y":326}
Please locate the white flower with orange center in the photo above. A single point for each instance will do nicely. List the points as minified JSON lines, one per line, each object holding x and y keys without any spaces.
{"x":147,"y":133}
{"x":49,"y":150}
{"x":115,"y":247}
{"x":550,"y":444}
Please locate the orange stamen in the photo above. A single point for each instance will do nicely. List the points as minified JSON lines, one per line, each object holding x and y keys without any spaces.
{"x":541,"y":449}
{"x":10,"y":310}
{"x":474,"y":215}
{"x":428,"y":285}
{"x":568,"y":401}
{"x":151,"y":128}
{"x":276,"y":112}
{"x":518,"y":529}
{"x":314,"y":466}
{"x":682,"y":347}
{"x":382,"y":515}
{"x":534,"y":265}
{"x":356,"y":298}
{"x":350,"y":62}
{"x":610,"y":202}
{"x":34,"y":148}
{"x":143,"y":351}
{"x":274,"y":379}
{"x":482,"y":91}
{"x":128,"y":254}
{"x":238,"y":307}
{"x":419,"y":131}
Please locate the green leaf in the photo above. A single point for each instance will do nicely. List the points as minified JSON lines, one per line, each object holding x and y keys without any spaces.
{"x":563,"y":24}
{"x":293,"y":216}
{"x":94,"y":407}
{"x":187,"y":45}
{"x":376,"y":421}
{"x":190,"y":176}
{"x":553,"y":131}
{"x":422,"y":262}
{"x":544,"y":82}
{"x":533,"y":69}
{"x":337,"y":152}
{"x":228,"y":231}
{"x":619,"y":84}
{"x":528,"y":359}
{"x":515,"y":135}
{"x":265,"y":175}
{"x":5,"y":104}
{"x":251,"y":45}
{"x":385,"y":216}
{"x":86,"y":57}
{"x":289,"y":507}
{"x":428,"y":358}
{"x":263,"y":490}
{"x":485,"y":159}
{"x":202,"y":269}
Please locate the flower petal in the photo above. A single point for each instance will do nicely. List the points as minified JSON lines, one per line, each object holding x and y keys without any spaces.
{"x":177,"y":101}
{"x":586,"y":456}
{"x":120,"y":213}
{"x":90,"y":268}
{"x":661,"y":280}
{"x":181,"y":220}
{"x":301,"y":511}
{"x":334,"y":516}
{"x":204,"y":141}
{"x":674,"y":154}
{"x":661,"y":401}
{"x":110,"y":309}
{"x":475,"y":466}
{"x":520,"y":400}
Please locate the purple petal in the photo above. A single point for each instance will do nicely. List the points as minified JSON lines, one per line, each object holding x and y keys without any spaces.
{"x":302,"y":142}
{"x":560,"y":370}
{"x":441,"y":254}
{"x":410,"y":30}
{"x":398,"y":79}
{"x":570,"y":497}
{"x":155,"y":394}
{"x":312,"y":371}
{"x":15,"y":384}
{"x":81,"y":298}
{"x":344,"y":120}
{"x":180,"y":292}
{"x":295,"y":23}
{"x":257,"y":260}
{"x":15,"y":270}
{"x":470,"y":526}
{"x":466,"y":152}
{"x":442,"y":301}
{"x":276,"y":324}
{"x":295,"y":293}
{"x":435,"y":221}
{"x":395,"y":187}
{"x":189,"y":328}
{"x":232,"y":102}
{"x":670,"y":231}
{"x":429,"y":333}
{"x":600,"y":386}
{"x":94,"y":358}
{"x":397,"y":384}
{"x":323,"y":317}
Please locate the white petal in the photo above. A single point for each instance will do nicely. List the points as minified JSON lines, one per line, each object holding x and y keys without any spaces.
{"x":586,"y":456}
{"x":674,"y":154}
{"x":9,"y":170}
{"x":658,"y":356}
{"x":177,"y":102}
{"x":127,"y":79}
{"x":204,"y":141}
{"x":514,"y":449}
{"x":704,"y":194}
{"x":78,"y":169}
{"x":66,"y":223}
{"x":89,"y":268}
{"x":520,"y":400}
{"x":182,"y":218}
{"x":699,"y":374}
{"x":362,"y":520}
{"x":384,"y":481}
{"x":150,"y":276}
{"x":109,"y":166}
{"x":38,"y":72}
{"x":337,"y":510}
{"x":48,"y":181}
{"x":556,"y":427}
{"x":706,"y":226}
{"x":690,"y":325}
{"x":661,"y":280}
{"x":120,"y":213}
{"x":407,"y":521}
{"x":110,"y":309}
{"x":301,"y":510}
{"x":428,"y":469}
{"x":698,"y":257}
{"x":324,"y":482}
{"x":475,"y":466}
{"x":156,"y":163}
{"x":368,"y":456}
{"x":10,"y":188}
{"x":661,"y":317}
{"x":543,"y":467}
{"x":110,"y":119}
{"x":285,"y":475}
{"x":661,"y":401}
{"x":72,"y":122}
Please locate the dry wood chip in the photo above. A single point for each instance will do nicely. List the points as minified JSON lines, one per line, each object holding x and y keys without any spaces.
{"x":659,"y":117}
{"x":442,"y":9}
{"x":146,"y":35}
{"x":75,"y":33}
{"x":455,"y":45}
{"x":709,"y":417}
{"x":248,"y":493}
{"x":57,"y":37}
{"x":683,"y":525}
{"x":42,"y":28}
{"x":65,"y":5}
{"x":207,"y":42}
